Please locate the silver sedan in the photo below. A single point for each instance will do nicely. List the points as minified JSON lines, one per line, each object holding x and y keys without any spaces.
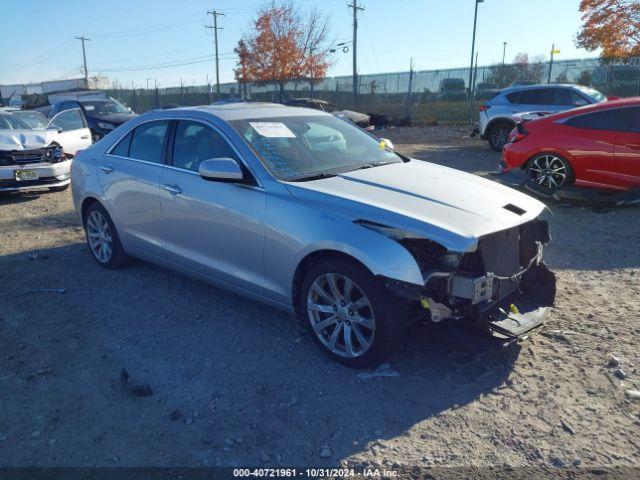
{"x":307,"y":212}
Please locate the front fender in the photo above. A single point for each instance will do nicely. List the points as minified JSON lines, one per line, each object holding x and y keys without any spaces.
{"x":303,"y":230}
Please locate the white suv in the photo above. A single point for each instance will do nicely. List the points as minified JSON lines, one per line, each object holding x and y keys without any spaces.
{"x":496,"y":115}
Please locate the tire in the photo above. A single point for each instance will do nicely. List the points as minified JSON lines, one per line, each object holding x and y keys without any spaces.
{"x":59,"y":189}
{"x":373,"y":319}
{"x":98,"y":222}
{"x":550,"y":171}
{"x":499,"y":134}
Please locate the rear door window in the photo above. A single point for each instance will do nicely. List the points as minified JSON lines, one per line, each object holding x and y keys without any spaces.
{"x":534,"y":97}
{"x":148,"y":142}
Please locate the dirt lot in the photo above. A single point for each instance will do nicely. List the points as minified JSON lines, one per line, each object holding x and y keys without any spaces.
{"x":236,"y":383}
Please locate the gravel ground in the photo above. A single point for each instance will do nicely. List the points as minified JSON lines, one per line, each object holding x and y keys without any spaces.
{"x":235,"y":383}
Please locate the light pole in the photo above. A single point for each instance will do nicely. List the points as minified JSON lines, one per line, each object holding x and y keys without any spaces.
{"x":473,"y":48}
{"x":504,"y":53}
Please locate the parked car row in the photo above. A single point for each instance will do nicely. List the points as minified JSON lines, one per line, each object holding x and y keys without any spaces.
{"x":496,"y":117}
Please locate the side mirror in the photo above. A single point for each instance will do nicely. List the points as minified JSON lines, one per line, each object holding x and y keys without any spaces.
{"x":55,"y":129}
{"x":387,"y":144}
{"x":221,"y":169}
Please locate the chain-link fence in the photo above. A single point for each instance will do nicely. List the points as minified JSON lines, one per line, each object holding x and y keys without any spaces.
{"x":427,"y":96}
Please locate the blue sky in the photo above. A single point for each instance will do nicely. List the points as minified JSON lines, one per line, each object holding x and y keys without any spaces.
{"x":131,"y":39}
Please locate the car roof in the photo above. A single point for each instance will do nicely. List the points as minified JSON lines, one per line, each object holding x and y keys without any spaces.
{"x":594,"y":107}
{"x":538,"y":86}
{"x":244,"y":110}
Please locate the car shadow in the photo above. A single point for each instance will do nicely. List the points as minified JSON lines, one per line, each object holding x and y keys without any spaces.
{"x":13,"y":198}
{"x":232,"y":380}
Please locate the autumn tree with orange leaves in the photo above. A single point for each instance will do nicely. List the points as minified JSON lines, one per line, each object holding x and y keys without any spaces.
{"x":284,"y":46}
{"x":613,"y":25}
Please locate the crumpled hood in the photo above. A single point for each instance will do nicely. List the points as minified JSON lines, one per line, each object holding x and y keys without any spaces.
{"x":25,"y":139}
{"x":445,"y":205}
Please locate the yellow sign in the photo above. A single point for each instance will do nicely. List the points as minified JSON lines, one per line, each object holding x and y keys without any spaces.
{"x":555,"y":52}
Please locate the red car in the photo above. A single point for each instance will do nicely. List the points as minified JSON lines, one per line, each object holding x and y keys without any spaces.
{"x":594,"y":146}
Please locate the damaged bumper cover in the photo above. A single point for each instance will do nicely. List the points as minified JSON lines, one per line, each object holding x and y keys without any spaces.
{"x":503,"y":287}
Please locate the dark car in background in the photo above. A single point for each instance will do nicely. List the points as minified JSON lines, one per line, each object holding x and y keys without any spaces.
{"x":103,"y":115}
{"x":362,"y":120}
{"x":485,"y":90}
{"x":452,"y":89}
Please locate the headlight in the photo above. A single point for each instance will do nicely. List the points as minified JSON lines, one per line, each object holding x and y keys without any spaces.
{"x":451,"y":260}
{"x":106,"y":125}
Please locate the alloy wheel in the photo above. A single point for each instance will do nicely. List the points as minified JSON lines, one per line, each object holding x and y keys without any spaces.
{"x":500,"y":136}
{"x":548,"y":171}
{"x":99,"y":236}
{"x":341,"y":315}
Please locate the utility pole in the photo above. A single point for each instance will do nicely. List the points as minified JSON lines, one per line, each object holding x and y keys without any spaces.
{"x":408,"y":107}
{"x":355,"y":8}
{"x":215,"y":28}
{"x":553,"y":51}
{"x":473,"y":47}
{"x":84,"y":57}
{"x":504,"y":51}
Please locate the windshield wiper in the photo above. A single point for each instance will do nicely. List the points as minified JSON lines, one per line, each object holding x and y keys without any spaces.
{"x":371,"y":165}
{"x":312,"y":176}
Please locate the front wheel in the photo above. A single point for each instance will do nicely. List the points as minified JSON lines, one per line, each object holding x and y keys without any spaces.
{"x":550,"y":171}
{"x":349,"y":314}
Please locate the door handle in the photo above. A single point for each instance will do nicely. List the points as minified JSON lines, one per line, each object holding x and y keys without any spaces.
{"x":172,"y":189}
{"x":85,"y":137}
{"x":107,"y":168}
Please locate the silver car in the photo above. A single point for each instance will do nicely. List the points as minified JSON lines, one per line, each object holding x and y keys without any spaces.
{"x":496,"y":117}
{"x":306,"y":212}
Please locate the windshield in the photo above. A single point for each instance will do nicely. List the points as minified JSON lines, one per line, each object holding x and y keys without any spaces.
{"x":35,"y":120}
{"x":11,"y":122}
{"x":104,"y":107}
{"x":306,"y":147}
{"x":592,"y":93}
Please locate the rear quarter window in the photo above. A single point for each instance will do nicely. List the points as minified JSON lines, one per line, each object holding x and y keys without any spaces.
{"x":602,"y":120}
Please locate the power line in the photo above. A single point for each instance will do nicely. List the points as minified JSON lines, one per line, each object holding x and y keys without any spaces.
{"x":175,"y":63}
{"x":152,"y":28}
{"x":215,"y":28}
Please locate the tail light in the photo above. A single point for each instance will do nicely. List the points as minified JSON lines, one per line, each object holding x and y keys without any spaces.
{"x":484,"y":108}
{"x":518,"y":133}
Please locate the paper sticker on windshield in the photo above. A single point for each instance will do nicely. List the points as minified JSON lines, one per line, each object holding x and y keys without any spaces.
{"x":272,"y":129}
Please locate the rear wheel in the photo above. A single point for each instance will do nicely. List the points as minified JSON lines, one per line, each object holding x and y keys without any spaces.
{"x":353,"y":318}
{"x":499,"y":135}
{"x":549,"y":171}
{"x":102,"y":238}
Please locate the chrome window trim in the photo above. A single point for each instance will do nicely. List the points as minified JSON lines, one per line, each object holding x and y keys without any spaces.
{"x":138,"y":160}
{"x":113,"y":146}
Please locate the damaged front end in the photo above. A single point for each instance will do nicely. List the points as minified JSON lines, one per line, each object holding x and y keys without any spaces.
{"x":503,"y":286}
